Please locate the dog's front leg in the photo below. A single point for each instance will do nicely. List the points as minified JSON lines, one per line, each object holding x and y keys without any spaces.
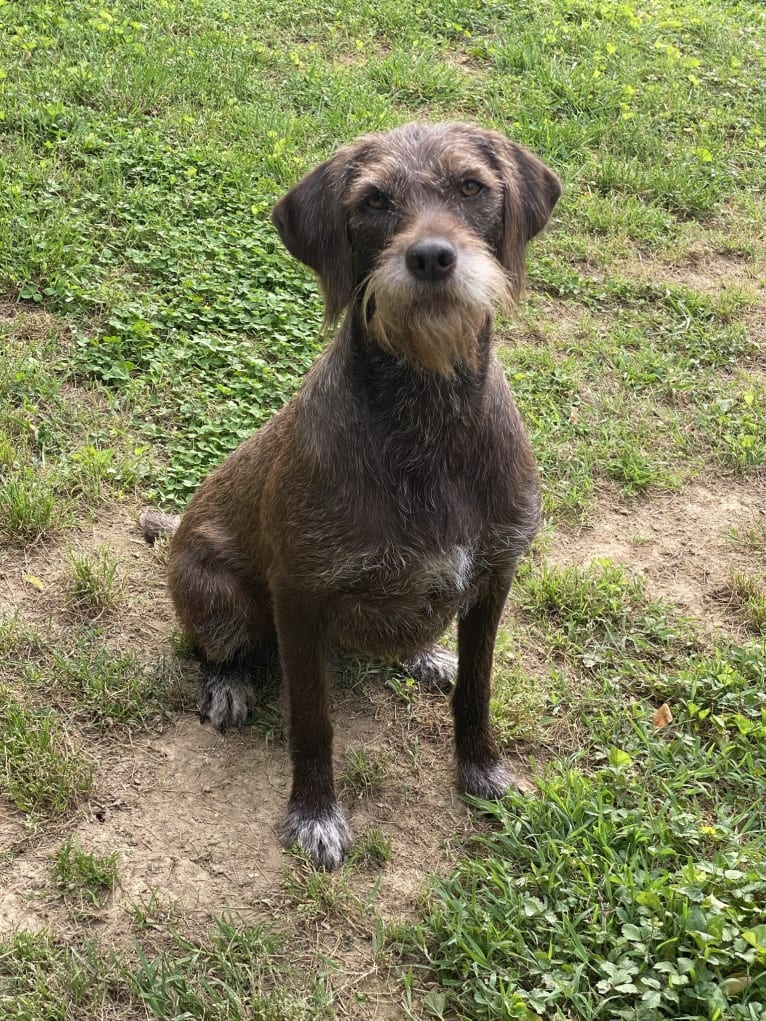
{"x":315,"y":819}
{"x":481,"y":770}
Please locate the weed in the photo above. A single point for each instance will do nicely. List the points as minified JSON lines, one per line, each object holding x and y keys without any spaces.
{"x":30,"y":506}
{"x":95,"y":585}
{"x":553,"y":864}
{"x":236,"y":975}
{"x":154,"y":912}
{"x":372,"y":849}
{"x":107,"y":688}
{"x":366,"y":772}
{"x":83,"y":879}
{"x":317,"y":895}
{"x":598,"y":615}
{"x":753,"y":537}
{"x":733,"y":421}
{"x":517,"y":707}
{"x":746,"y":595}
{"x":43,"y":978}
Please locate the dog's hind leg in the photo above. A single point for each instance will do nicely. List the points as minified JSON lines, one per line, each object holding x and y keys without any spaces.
{"x":231,"y":626}
{"x":433,"y":668}
{"x":226,"y":694}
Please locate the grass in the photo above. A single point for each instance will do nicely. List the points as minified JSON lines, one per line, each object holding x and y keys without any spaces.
{"x":150,"y":320}
{"x":599,"y":615}
{"x":44,"y":773}
{"x":752,"y":538}
{"x":622,"y":908}
{"x":95,"y":584}
{"x":747,"y":598}
{"x":90,"y":682}
{"x":235,"y":974}
{"x":634,"y":888}
{"x":366,"y":772}
{"x":83,"y":879}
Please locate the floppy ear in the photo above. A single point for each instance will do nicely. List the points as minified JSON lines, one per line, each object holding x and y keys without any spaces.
{"x":530,"y":191}
{"x":312,"y":224}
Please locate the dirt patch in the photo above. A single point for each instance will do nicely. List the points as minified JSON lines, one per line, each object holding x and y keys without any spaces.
{"x":682,"y":542}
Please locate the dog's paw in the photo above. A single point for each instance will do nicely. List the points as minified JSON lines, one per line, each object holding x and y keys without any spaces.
{"x":434,"y":668}
{"x":490,"y":780}
{"x":225,"y":701}
{"x":324,"y":834}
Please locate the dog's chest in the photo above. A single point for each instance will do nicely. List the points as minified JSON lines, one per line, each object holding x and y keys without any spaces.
{"x":428,"y":575}
{"x":450,"y":571}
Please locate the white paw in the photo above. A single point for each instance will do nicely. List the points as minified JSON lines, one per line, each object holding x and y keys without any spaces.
{"x":434,"y":668}
{"x":489,"y":781}
{"x":225,"y":702}
{"x":325,"y":836}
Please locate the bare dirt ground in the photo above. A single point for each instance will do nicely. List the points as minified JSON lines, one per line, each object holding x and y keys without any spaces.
{"x":682,"y":543}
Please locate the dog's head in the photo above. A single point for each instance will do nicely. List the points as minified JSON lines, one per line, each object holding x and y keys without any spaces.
{"x":427,"y":225}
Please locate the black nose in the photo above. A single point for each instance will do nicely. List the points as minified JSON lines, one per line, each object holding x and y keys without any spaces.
{"x":432,"y":259}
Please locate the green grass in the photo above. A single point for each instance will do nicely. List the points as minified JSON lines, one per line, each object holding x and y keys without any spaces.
{"x":89,"y":681}
{"x":238,"y":973}
{"x":236,"y":976}
{"x":633,"y":890}
{"x":43,"y":977}
{"x":598,"y":616}
{"x":139,"y":194}
{"x":83,"y":879}
{"x":366,"y":772}
{"x":43,"y":774}
{"x":747,"y":595}
{"x":151,"y":320}
{"x":590,"y":900}
{"x":95,"y":585}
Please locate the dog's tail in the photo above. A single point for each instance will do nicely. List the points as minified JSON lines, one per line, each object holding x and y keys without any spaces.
{"x":155,"y":523}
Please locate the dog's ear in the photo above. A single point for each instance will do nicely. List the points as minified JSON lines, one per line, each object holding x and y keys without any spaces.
{"x":311,"y":221}
{"x":530,"y":191}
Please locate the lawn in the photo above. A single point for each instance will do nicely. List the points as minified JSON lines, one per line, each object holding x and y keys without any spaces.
{"x":150,"y":320}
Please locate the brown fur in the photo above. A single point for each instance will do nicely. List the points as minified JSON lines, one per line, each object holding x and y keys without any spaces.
{"x":397,"y":489}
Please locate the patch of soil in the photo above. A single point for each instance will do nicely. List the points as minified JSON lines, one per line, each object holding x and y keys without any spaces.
{"x":680,"y":542}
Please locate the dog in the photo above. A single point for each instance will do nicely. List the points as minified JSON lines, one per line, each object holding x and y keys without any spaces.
{"x":397,"y":490}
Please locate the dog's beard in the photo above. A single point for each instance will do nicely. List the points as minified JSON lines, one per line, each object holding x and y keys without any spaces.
{"x":434,"y":326}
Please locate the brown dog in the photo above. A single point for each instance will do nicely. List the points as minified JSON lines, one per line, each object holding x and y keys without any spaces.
{"x":397,"y":489}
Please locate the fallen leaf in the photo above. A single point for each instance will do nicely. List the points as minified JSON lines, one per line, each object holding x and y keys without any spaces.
{"x":34,"y":581}
{"x":662,"y":716}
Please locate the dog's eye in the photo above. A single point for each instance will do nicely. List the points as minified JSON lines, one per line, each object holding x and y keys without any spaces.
{"x":470,"y":188}
{"x":376,"y":200}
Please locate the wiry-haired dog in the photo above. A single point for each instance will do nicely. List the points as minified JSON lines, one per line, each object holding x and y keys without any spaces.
{"x":397,"y":489}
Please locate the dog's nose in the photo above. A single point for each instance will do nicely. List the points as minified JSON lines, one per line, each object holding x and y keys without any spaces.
{"x":432,"y":259}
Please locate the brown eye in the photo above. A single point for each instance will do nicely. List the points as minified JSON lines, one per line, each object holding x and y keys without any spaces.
{"x":470,"y":188}
{"x":376,"y":200}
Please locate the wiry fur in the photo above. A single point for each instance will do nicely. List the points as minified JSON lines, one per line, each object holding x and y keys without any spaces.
{"x":397,"y":489}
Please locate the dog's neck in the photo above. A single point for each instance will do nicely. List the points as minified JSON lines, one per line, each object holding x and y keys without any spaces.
{"x":406,"y":394}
